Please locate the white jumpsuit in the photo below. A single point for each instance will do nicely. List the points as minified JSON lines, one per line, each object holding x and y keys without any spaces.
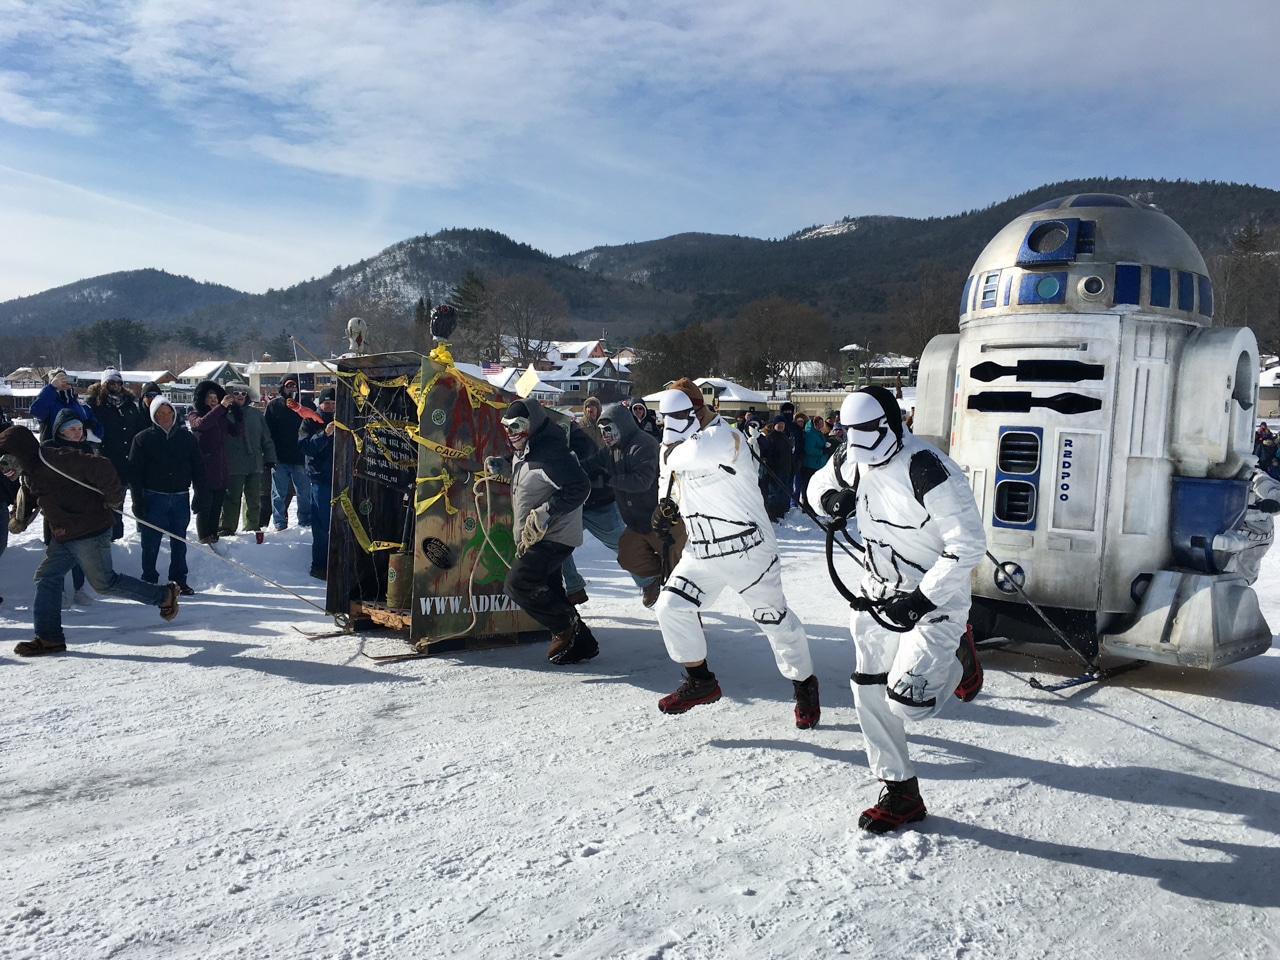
{"x":731,"y":544}
{"x":921,"y":529}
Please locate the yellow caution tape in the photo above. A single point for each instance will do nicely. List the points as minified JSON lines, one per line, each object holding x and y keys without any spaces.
{"x":357,"y":528}
{"x":446,"y":481}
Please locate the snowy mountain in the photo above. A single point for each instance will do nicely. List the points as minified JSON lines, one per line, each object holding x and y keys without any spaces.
{"x":226,"y":786}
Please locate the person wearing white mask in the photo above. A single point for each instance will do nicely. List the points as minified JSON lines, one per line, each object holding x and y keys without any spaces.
{"x":730,"y":543}
{"x":922,"y":535}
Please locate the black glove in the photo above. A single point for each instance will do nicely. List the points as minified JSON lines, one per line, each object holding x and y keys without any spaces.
{"x":906,"y":609}
{"x":1267,"y":506}
{"x":840,"y":504}
{"x":139,"y":501}
{"x":666,"y":516}
{"x":268,"y":465}
{"x":198,"y":501}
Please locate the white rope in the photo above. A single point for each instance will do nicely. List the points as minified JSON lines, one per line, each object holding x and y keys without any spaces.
{"x":202,"y":546}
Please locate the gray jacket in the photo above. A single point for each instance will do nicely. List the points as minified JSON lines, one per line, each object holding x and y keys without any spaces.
{"x":547,"y":473}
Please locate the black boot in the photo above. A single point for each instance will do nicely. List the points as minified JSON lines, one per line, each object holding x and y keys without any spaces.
{"x":691,"y":693}
{"x":807,"y":708}
{"x":899,"y":803}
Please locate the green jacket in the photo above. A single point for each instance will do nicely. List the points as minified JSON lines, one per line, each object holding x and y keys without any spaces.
{"x":247,"y":453}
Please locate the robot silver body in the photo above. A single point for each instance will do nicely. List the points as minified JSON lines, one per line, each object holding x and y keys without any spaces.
{"x":1107,"y":432}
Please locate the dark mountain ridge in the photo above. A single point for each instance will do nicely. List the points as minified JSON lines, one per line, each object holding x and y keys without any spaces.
{"x":850,"y":270}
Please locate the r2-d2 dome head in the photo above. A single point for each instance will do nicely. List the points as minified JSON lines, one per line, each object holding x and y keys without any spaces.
{"x":873,"y":425}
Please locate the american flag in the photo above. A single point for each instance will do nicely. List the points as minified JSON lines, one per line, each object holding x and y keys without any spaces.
{"x":490,"y":368}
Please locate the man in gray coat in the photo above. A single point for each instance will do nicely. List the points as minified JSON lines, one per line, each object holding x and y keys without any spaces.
{"x":548,"y":488}
{"x":247,"y":454}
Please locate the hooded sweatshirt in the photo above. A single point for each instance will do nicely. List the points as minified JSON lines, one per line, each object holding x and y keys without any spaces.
{"x":632,"y":466}
{"x":164,"y":461}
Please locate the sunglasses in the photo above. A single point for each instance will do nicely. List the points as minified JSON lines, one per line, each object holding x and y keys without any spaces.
{"x":239,"y":393}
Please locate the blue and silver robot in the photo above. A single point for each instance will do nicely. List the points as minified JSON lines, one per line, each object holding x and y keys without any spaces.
{"x":1107,"y":430}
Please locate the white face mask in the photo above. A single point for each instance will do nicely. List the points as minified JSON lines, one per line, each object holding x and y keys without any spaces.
{"x":870,"y":438}
{"x":610,"y":433}
{"x":679,"y":425}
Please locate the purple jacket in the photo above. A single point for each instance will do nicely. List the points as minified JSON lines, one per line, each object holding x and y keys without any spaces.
{"x":212,"y":424}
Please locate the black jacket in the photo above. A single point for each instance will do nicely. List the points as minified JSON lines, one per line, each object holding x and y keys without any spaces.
{"x":120,"y":424}
{"x":165,"y":463}
{"x":285,"y":426}
{"x":632,"y":466}
{"x":585,"y":449}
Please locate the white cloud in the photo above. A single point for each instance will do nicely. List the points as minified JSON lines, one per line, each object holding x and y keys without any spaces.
{"x":573,"y":124}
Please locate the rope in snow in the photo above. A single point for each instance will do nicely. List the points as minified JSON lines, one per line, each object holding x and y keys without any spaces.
{"x":201,"y":546}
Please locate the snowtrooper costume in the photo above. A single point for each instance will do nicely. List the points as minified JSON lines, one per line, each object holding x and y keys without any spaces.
{"x":730,"y":544}
{"x":923,"y":535}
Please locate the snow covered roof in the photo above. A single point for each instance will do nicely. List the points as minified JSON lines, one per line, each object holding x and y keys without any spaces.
{"x":733,"y":392}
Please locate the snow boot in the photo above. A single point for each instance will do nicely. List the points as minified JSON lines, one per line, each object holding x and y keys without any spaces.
{"x":578,"y":597}
{"x":807,"y":709}
{"x":582,"y":646}
{"x":899,"y":803}
{"x":562,"y":640}
{"x":649,"y":594}
{"x":169,"y":605}
{"x":38,"y":647}
{"x":967,"y":654}
{"x":690,"y":694}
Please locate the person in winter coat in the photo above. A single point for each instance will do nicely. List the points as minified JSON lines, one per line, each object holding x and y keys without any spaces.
{"x":730,"y":543}
{"x":646,"y":420}
{"x":58,"y":395}
{"x":214,"y":419}
{"x":630,"y":459}
{"x":9,"y":486}
{"x":815,"y":451}
{"x":165,"y":464}
{"x":77,"y":491}
{"x":316,"y":443}
{"x":775,"y":460}
{"x":246,"y":456}
{"x":548,"y":489}
{"x":923,"y":535}
{"x":120,"y":418}
{"x":285,"y":425}
{"x":600,"y":515}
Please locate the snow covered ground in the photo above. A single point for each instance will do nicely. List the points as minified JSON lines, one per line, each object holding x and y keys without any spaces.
{"x":223,"y":786}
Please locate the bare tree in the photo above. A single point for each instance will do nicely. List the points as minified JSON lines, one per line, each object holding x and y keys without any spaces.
{"x":927,"y":307}
{"x":527,"y":312}
{"x":174,"y":356}
{"x":775,"y":336}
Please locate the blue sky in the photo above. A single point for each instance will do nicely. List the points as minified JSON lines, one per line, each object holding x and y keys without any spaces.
{"x":260,"y":144}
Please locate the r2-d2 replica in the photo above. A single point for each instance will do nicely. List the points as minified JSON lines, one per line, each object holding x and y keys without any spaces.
{"x":1107,"y":432}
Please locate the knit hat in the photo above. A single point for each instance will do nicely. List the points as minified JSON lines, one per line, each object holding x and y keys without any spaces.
{"x":111,"y":373}
{"x":690,"y":390}
{"x":782,"y":418}
{"x":289,"y":379}
{"x":328,"y":393}
{"x":53,"y":374}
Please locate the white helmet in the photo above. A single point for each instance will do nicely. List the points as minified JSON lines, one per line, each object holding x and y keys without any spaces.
{"x":680,"y":420}
{"x":872,"y":424}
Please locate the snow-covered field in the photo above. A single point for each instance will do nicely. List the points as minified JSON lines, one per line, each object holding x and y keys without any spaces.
{"x":223,"y":786}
